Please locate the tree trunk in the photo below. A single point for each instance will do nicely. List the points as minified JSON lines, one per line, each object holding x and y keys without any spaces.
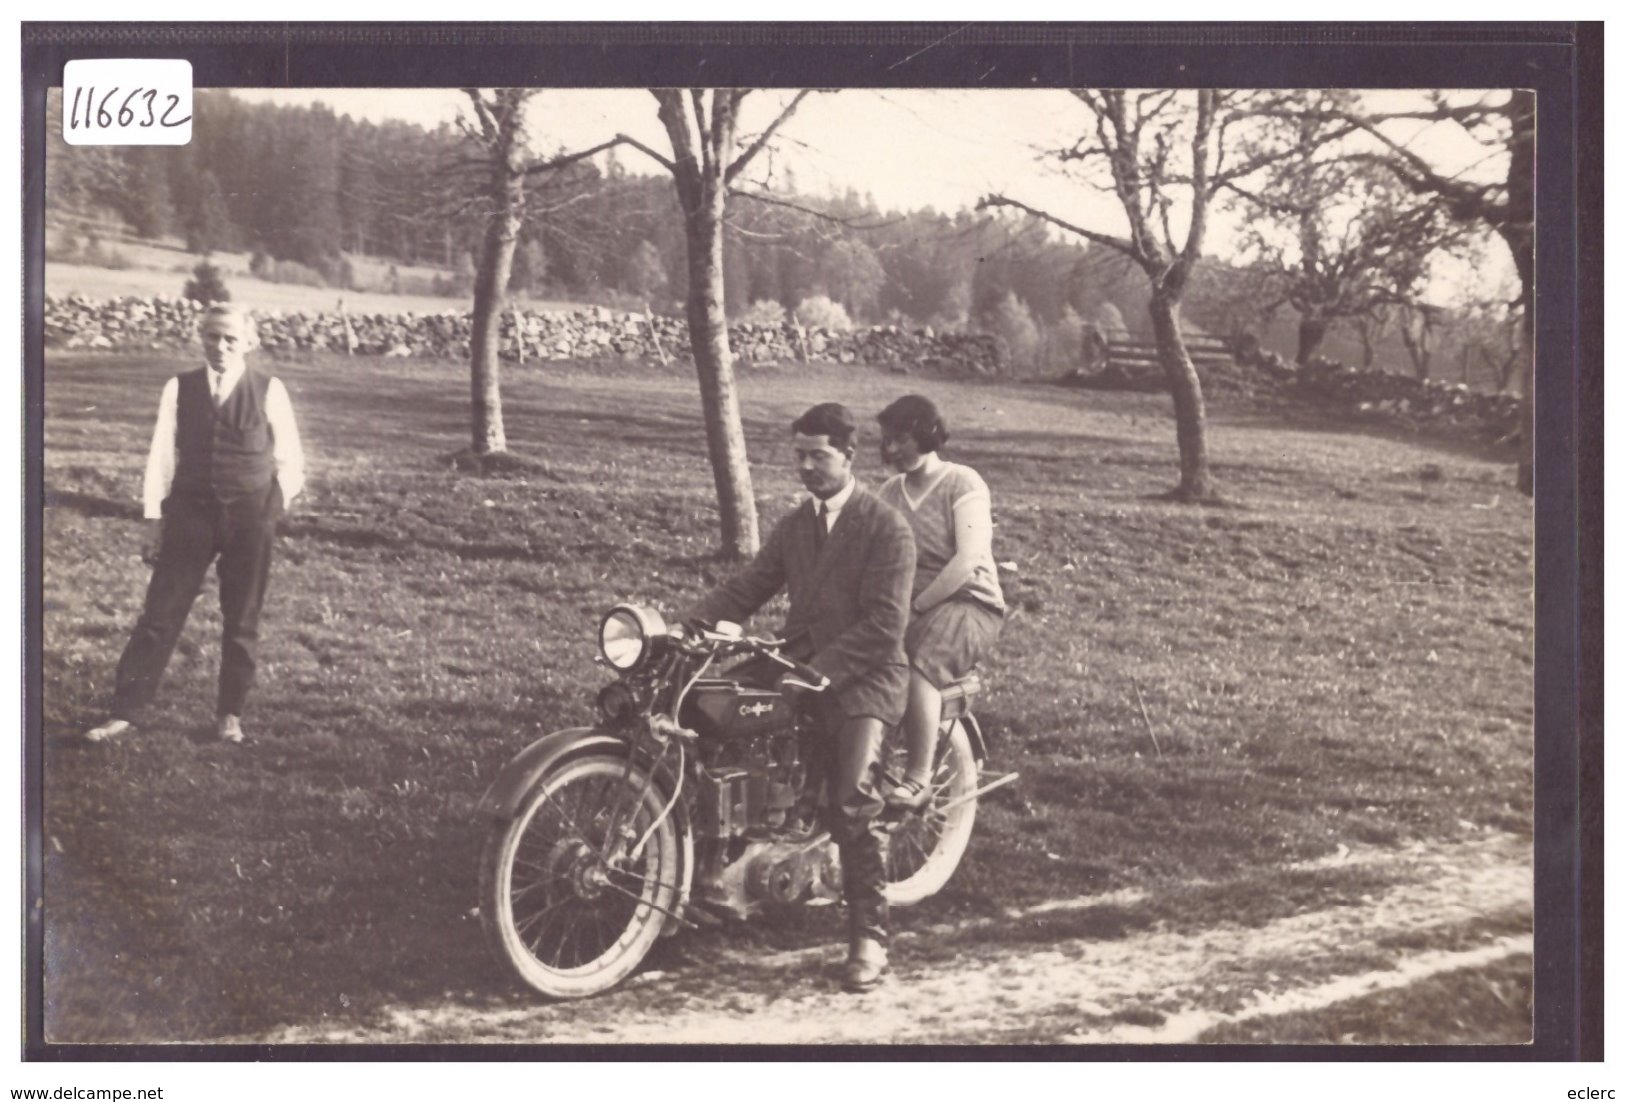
{"x":1510,"y":366}
{"x":1518,"y":231}
{"x":1190,"y":412}
{"x":1368,"y":352}
{"x":713,"y":362}
{"x":1526,"y":408}
{"x":1311,"y":332}
{"x":1523,"y":257}
{"x":504,"y":138}
{"x":1416,"y":346}
{"x":485,"y":374}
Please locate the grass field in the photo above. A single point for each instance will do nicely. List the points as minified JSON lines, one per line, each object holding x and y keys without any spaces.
{"x":1339,"y":657}
{"x":62,"y":280}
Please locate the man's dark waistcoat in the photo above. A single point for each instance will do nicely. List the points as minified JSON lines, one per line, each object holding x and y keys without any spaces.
{"x":223,"y":452}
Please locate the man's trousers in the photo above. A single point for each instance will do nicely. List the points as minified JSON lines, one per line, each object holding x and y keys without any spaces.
{"x":238,"y":535}
{"x":854,"y":806}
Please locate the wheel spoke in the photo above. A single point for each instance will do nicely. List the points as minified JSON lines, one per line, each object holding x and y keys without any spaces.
{"x":640,"y":878}
{"x":569,"y":821}
{"x":913,"y":843}
{"x":522,"y":925}
{"x":641,"y":902}
{"x":565,"y":938}
{"x":559,"y":911}
{"x":516,"y":894}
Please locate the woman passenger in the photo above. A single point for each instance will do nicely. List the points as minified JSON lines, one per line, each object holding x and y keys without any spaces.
{"x":958,"y":607}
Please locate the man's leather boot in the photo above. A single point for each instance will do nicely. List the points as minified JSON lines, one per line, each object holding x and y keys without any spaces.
{"x":866,"y":964}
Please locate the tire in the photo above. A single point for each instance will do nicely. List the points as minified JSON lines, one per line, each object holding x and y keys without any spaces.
{"x":923,"y":850}
{"x":563,"y":922}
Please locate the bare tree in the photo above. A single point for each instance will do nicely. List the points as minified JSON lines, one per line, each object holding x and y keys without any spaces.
{"x":508,"y":166}
{"x":1342,"y":238}
{"x":1505,"y":127}
{"x":1165,"y":150}
{"x":501,"y":130}
{"x":702,"y":125}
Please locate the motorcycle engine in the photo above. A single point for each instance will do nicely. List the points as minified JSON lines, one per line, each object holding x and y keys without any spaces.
{"x":802,"y":870}
{"x":750,"y":786}
{"x":754,"y":820}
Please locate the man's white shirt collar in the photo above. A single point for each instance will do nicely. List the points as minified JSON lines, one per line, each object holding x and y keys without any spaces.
{"x":227,"y":378}
{"x":835,"y":502}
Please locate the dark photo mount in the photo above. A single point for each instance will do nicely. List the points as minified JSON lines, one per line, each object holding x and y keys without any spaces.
{"x":1560,"y":62}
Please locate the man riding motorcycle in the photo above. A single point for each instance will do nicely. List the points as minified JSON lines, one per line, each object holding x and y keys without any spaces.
{"x":847,"y":560}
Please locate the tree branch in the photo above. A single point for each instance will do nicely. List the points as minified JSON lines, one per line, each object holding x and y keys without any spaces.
{"x":725,"y":120}
{"x":1122,"y":245}
{"x":1471,"y":200}
{"x":1264,"y":202}
{"x":764,"y":137}
{"x":1200,"y":193}
{"x":675,"y":120}
{"x":696,"y":99}
{"x":566,"y":159}
{"x":658,"y":158}
{"x":482,"y":111}
{"x":849,"y":223}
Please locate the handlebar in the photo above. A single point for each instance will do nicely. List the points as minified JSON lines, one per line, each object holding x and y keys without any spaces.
{"x":797,"y":674}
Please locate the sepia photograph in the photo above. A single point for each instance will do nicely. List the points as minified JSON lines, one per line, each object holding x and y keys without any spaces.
{"x":867,"y":564}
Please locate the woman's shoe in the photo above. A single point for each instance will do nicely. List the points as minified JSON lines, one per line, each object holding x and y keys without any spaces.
{"x":909,"y":795}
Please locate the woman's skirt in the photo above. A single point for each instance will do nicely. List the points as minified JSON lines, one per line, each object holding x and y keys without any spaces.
{"x":946,"y":642}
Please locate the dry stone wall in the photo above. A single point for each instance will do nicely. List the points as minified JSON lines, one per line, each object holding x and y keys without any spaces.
{"x":590,"y":333}
{"x":1404,"y":398}
{"x":1354,"y":391}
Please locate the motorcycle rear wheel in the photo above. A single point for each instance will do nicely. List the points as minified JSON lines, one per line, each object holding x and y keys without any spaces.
{"x":924,"y":849}
{"x":565,"y":921}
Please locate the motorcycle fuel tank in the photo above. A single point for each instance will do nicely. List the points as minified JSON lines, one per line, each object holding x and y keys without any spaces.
{"x":728,"y":710}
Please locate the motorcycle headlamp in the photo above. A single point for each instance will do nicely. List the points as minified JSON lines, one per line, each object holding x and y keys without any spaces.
{"x":625,"y":635}
{"x":616,"y":704}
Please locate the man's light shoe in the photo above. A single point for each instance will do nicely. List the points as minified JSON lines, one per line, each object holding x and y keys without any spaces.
{"x":231,"y":729}
{"x":113,"y":728}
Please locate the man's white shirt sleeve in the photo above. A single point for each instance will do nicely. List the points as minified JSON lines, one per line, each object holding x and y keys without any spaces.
{"x":289,"y":454}
{"x":161,"y":456}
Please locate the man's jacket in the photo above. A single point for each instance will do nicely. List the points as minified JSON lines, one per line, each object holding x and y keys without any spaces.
{"x":849,"y":600}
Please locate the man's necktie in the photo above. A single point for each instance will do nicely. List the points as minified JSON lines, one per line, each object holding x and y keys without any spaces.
{"x":217,"y":381}
{"x":820,"y":526}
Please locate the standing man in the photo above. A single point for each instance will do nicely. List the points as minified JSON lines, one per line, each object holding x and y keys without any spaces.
{"x":847,"y":560}
{"x":225,"y":461}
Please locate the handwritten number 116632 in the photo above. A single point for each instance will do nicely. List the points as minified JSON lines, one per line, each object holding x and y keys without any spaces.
{"x":139,"y":107}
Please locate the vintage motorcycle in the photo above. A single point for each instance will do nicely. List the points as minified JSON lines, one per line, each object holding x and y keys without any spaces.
{"x":690,"y":801}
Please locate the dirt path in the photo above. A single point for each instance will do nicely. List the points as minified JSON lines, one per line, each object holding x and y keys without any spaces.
{"x":1155,"y":985}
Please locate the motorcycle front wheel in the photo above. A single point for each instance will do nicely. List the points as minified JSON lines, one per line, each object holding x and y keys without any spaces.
{"x":924,"y":849}
{"x":563,"y":902}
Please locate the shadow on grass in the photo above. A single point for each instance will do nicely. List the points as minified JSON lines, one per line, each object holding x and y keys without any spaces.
{"x":322,"y":530}
{"x":129,"y":964}
{"x":92,"y":505}
{"x":1444,"y":438}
